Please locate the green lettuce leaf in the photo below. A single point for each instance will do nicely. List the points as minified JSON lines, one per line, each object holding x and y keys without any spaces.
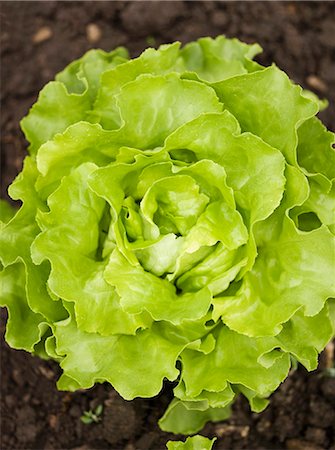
{"x":213,"y":372}
{"x":268,"y":96}
{"x":68,"y":99}
{"x":24,"y":327}
{"x":85,"y":73}
{"x":295,"y":272}
{"x":7,"y":211}
{"x":16,"y":238}
{"x":218,"y":59}
{"x":185,"y":417}
{"x":151,"y":61}
{"x":90,"y":358}
{"x":192,"y":443}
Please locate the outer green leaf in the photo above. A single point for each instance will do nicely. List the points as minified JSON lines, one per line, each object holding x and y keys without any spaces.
{"x":196,"y":334}
{"x":321,"y":199}
{"x":147,"y":124}
{"x":24,"y":327}
{"x":305,"y":337}
{"x":224,"y":365}
{"x":317,"y":155}
{"x":217,"y":59}
{"x":85,"y":72}
{"x":322,"y":102}
{"x":210,"y":59}
{"x":16,"y":238}
{"x":268,"y":105}
{"x":257,"y":403}
{"x":192,"y":443}
{"x":81,"y":142}
{"x":315,"y":151}
{"x":331,"y":308}
{"x":184,"y":418}
{"x":206,"y":399}
{"x":7,"y":211}
{"x":69,"y":99}
{"x":151,"y":61}
{"x":91,"y":358}
{"x":294,"y":272}
{"x":53,"y":112}
{"x":73,"y":207}
{"x":296,"y":193}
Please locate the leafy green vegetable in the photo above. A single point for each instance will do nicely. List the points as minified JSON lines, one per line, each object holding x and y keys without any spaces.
{"x":92,"y":416}
{"x":177,"y":222}
{"x":192,"y":443}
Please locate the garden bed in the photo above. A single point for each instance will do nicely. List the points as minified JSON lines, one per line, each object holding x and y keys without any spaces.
{"x":40,"y":38}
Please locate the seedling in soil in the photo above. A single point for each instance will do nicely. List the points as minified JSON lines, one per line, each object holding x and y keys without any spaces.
{"x":151,"y":41}
{"x":92,"y":415}
{"x":329,"y":372}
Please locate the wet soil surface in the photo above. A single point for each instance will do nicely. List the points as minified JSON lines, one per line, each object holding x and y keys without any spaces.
{"x":37,"y":40}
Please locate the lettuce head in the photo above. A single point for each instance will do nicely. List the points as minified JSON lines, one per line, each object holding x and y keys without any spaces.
{"x":177,"y":223}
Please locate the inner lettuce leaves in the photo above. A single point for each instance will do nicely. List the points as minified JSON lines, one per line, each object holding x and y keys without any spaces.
{"x":177,"y":223}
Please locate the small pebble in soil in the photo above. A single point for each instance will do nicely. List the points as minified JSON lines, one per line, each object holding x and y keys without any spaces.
{"x":43,"y":34}
{"x":26,"y":432}
{"x":223,"y":429}
{"x":93,"y":33}
{"x":10,"y":400}
{"x":129,"y":446}
{"x":244,"y":431}
{"x":300,"y":444}
{"x":328,"y":388}
{"x":26,"y":397}
{"x":316,"y":83}
{"x":219,"y":19}
{"x":17,"y":377}
{"x":53,"y":421}
{"x":330,"y":354}
{"x":317,"y":435}
{"x":47,"y":373}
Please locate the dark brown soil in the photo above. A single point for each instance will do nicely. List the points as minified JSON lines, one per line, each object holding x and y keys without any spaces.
{"x":37,"y":40}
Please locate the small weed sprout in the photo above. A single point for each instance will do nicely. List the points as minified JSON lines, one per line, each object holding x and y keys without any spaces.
{"x":92,"y":416}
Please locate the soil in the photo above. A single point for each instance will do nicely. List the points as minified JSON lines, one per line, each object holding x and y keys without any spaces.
{"x":37,"y":40}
